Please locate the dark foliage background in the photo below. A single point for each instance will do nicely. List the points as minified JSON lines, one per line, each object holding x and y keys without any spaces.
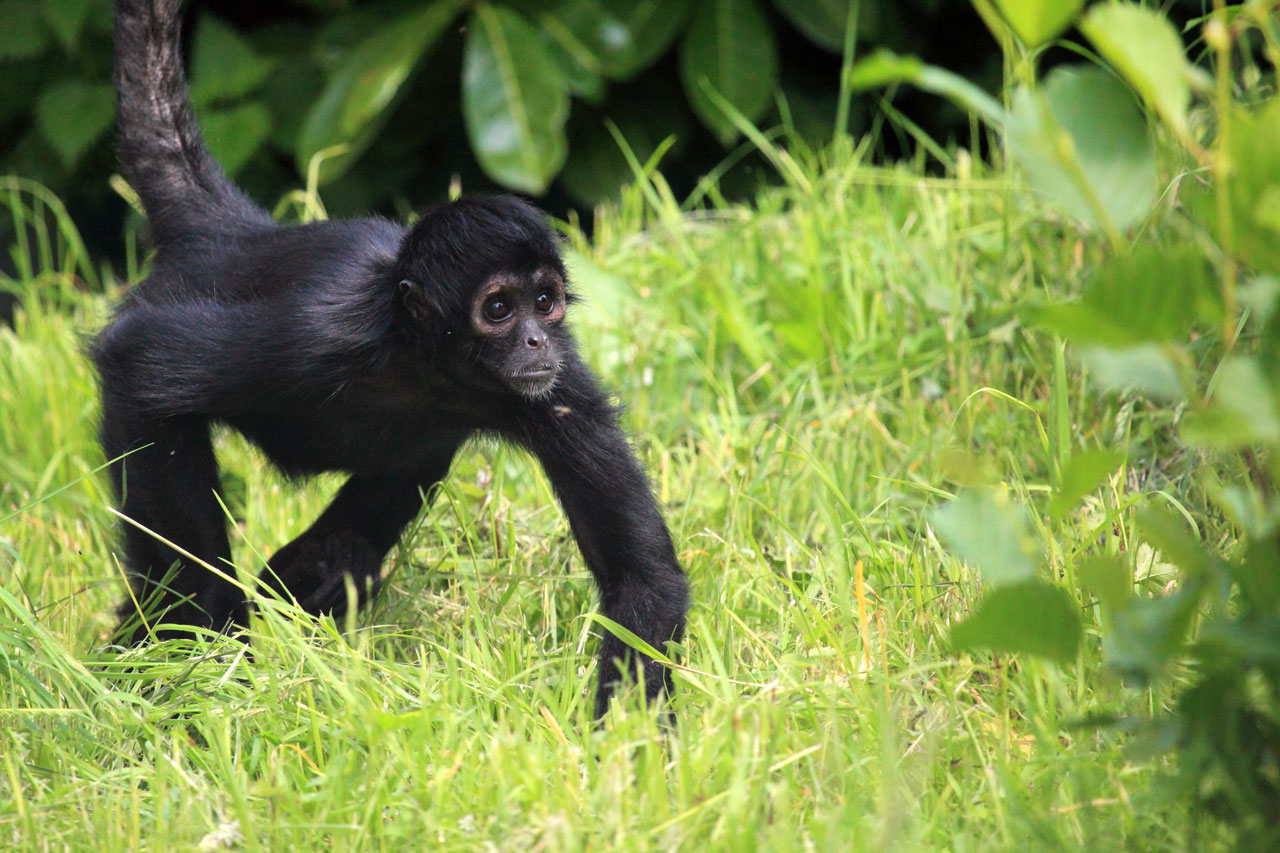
{"x":276,"y":81}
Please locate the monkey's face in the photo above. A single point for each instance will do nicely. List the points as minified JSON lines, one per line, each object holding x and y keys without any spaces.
{"x":517,"y":320}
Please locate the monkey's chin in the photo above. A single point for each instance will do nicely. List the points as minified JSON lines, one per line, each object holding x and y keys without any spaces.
{"x":534,"y":384}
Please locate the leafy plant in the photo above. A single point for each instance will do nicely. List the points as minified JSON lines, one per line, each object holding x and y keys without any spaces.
{"x":1182,"y":312}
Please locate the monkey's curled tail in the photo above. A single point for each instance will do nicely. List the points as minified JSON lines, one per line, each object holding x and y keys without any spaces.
{"x":182,"y":187}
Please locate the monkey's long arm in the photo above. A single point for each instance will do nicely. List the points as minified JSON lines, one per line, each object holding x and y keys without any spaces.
{"x":616,"y":521}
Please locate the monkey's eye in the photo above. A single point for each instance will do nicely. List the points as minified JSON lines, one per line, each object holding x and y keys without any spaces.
{"x":496,"y":309}
{"x":545,"y":301}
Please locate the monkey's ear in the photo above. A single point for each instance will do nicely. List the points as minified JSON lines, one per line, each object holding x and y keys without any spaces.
{"x":415,"y":301}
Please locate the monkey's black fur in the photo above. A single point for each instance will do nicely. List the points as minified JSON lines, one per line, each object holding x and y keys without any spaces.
{"x":359,"y":346}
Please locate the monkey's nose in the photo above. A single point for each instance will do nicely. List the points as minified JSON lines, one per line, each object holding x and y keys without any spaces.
{"x":535,"y":342}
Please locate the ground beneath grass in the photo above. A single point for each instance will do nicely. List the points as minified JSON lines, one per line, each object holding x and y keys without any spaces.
{"x":807,"y":381}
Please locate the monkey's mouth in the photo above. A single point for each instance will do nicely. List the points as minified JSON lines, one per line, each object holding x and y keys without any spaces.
{"x":536,"y":379}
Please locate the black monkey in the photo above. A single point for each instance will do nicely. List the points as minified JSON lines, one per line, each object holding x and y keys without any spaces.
{"x":360,"y":346}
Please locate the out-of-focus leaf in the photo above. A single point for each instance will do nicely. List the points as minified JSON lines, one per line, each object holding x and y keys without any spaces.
{"x":73,"y":115}
{"x":1100,"y":130}
{"x":1168,"y":534}
{"x":988,"y":535}
{"x":234,"y":135}
{"x":1083,"y":473}
{"x":224,"y":66}
{"x":1031,"y":617}
{"x":1144,"y":47}
{"x":653,"y":25}
{"x":1151,"y":294}
{"x":1255,"y":166}
{"x":288,"y":94}
{"x":588,"y":41}
{"x":884,"y":67}
{"x":1037,"y":21}
{"x":65,"y":17}
{"x":1144,"y":368}
{"x":514,"y":101}
{"x":729,"y":48}
{"x":22,"y":33}
{"x":1257,"y":574}
{"x":1240,"y":412}
{"x":357,"y":100}
{"x":1147,"y":633}
{"x":822,"y":21}
{"x":1108,"y":577}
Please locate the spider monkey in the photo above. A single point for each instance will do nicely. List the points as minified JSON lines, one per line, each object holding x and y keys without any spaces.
{"x":360,"y":346}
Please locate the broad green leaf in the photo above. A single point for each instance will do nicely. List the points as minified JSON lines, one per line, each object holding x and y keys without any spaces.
{"x":1145,"y":634}
{"x":1037,"y":21}
{"x":513,"y":100}
{"x":1144,"y":47}
{"x":1083,"y":473}
{"x":884,"y":67}
{"x":66,"y":18}
{"x":1031,"y":617}
{"x":1167,"y":533}
{"x":22,"y":34}
{"x":357,"y":101}
{"x":1099,"y":131}
{"x":224,"y":66}
{"x":1150,"y":294}
{"x":653,"y":25}
{"x":588,"y":42}
{"x":234,"y":135}
{"x":1144,"y":368}
{"x":988,"y":535}
{"x":1108,"y":577}
{"x":822,"y":21}
{"x":1257,"y":574}
{"x":729,"y":49}
{"x":1241,"y":410}
{"x":1255,"y":183}
{"x":73,"y":115}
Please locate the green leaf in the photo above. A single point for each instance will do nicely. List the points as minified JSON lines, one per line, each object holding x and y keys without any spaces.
{"x":1082,"y":474}
{"x":822,"y":21}
{"x":1168,"y":534}
{"x":1095,"y":148}
{"x":1257,"y":573}
{"x":1031,"y":617}
{"x":1144,"y":368}
{"x":1253,"y":187}
{"x":1147,"y":633}
{"x":22,"y":34}
{"x":234,"y":135}
{"x":66,"y":18}
{"x":884,"y":67}
{"x":1240,"y":412}
{"x":588,"y":41}
{"x":224,"y":66}
{"x":1144,"y":47}
{"x":513,"y":100}
{"x":653,"y":25}
{"x":729,"y":48}
{"x":1037,"y":21}
{"x":357,"y":101}
{"x":987,"y":534}
{"x":1108,"y":577}
{"x":73,"y":115}
{"x":1150,"y":294}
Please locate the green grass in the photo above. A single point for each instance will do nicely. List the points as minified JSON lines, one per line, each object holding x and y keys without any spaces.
{"x":806,"y":380}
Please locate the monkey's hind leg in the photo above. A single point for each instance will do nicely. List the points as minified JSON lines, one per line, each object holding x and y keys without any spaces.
{"x":168,"y":483}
